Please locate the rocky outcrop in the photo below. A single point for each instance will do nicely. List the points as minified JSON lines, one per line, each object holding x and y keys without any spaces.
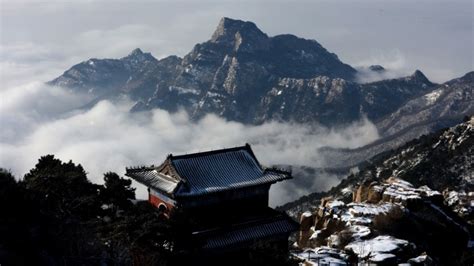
{"x":461,"y":202}
{"x":393,"y":190}
{"x":386,"y":222}
{"x":306,"y":222}
{"x":322,"y":256}
{"x":381,"y":249}
{"x":423,"y":259}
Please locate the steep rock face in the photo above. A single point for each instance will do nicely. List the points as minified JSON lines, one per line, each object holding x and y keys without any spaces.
{"x":295,"y":57}
{"x":147,"y":79}
{"x":232,"y":71}
{"x":240,"y":36}
{"x":335,"y":101}
{"x":239,"y":73}
{"x":302,"y":100}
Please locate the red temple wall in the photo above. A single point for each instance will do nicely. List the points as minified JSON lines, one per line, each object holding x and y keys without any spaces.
{"x":156,"y":201}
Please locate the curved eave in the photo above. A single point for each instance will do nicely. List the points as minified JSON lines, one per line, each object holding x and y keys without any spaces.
{"x":155,"y":180}
{"x":268,"y":178}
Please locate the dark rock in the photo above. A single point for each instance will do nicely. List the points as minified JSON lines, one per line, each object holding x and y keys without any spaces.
{"x":377,"y":68}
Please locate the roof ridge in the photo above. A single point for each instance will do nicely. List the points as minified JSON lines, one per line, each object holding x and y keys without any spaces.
{"x":211,"y":152}
{"x":140,"y":168}
{"x":277,"y":170}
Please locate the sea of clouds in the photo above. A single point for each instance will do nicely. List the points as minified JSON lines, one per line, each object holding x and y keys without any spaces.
{"x":37,"y":120}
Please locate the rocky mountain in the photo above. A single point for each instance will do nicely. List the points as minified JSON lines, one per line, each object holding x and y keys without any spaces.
{"x":447,"y":102}
{"x":244,"y":75}
{"x":404,"y":208}
{"x":442,"y":160}
{"x":442,"y":107}
{"x":445,"y":106}
{"x":336,"y":101}
{"x":98,"y":76}
{"x":384,"y":222}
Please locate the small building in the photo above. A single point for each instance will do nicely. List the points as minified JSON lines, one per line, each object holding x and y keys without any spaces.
{"x":225,"y":191}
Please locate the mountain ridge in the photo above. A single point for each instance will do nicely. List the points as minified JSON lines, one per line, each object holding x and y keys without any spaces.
{"x":242,"y":74}
{"x":238,"y":73}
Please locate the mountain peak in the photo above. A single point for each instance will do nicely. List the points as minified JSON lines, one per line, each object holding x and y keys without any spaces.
{"x":377,"y":68}
{"x":418,"y":76}
{"x":136,"y":51}
{"x":468,"y":77}
{"x":228,"y":28}
{"x":138,"y":55}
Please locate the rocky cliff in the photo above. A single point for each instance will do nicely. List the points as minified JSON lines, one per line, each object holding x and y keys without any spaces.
{"x":243,"y":74}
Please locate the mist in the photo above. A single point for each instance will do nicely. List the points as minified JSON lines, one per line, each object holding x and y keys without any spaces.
{"x":39,"y":120}
{"x":394,"y":62}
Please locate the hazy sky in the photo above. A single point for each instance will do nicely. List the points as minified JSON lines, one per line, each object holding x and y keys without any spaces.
{"x":41,"y":39}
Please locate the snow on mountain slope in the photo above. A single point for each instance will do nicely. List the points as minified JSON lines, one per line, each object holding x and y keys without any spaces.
{"x":244,"y":75}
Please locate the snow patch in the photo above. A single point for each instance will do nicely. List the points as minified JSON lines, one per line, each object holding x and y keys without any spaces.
{"x":378,"y":247}
{"x":323,"y":256}
{"x":181,"y":90}
{"x":433,"y":96}
{"x":336,"y":204}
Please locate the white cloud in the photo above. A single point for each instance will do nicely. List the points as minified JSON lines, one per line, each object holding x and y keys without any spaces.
{"x":24,"y":108}
{"x":394,"y":62}
{"x":109,"y":138}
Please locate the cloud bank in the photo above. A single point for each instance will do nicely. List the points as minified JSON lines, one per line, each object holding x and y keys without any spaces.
{"x":44,"y":120}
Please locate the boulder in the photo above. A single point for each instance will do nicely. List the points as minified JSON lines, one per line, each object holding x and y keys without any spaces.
{"x":323,"y":256}
{"x":361,"y":193}
{"x":423,"y":259}
{"x":306,"y":222}
{"x":375,"y":193}
{"x":382,"y":249}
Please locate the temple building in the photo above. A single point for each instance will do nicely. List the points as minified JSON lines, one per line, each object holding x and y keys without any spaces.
{"x":225,"y":192}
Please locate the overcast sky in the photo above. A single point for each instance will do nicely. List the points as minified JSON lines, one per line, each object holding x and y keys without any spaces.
{"x":41,"y":39}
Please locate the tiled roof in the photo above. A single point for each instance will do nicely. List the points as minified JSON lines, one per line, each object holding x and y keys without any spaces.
{"x":245,"y":233}
{"x":221,"y":170}
{"x":151,"y":177}
{"x":207,"y":172}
